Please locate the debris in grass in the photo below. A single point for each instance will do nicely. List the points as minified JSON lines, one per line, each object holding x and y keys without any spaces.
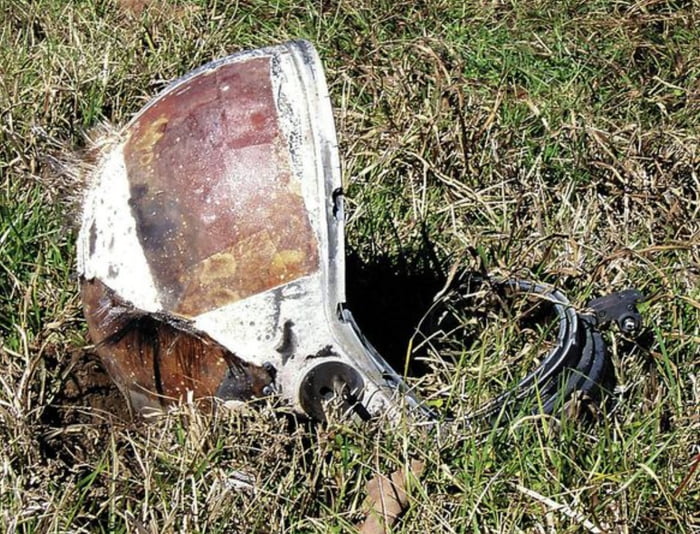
{"x":387,"y":498}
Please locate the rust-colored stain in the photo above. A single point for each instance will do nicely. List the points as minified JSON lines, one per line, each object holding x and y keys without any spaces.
{"x":218,"y":210}
{"x":157,"y":360}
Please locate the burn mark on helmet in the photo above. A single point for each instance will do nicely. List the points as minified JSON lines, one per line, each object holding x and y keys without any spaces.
{"x":157,"y":220}
{"x":92,"y":238}
{"x":243,"y":381}
{"x":156,"y":358}
{"x":324,"y":352}
{"x":138,"y":191}
{"x":288,"y":344}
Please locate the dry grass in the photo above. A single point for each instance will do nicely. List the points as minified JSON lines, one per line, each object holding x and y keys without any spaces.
{"x":558,"y":141}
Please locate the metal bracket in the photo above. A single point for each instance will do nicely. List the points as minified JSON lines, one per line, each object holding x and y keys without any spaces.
{"x":620,"y":307}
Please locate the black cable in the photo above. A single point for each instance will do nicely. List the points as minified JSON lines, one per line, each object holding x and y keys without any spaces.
{"x":579,"y":361}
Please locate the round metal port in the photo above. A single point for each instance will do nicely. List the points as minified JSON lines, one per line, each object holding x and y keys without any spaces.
{"x":326,"y":382}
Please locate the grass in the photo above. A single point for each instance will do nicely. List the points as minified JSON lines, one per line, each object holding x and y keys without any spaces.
{"x":558,"y":141}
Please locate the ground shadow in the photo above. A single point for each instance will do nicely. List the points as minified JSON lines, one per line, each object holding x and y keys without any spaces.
{"x":388,"y":298}
{"x":88,"y":394}
{"x":88,"y":403}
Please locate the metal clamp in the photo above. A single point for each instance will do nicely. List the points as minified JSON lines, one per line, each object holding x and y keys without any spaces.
{"x":620,"y":307}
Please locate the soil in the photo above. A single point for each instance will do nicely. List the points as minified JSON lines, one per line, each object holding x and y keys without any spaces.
{"x":77,"y":421}
{"x":88,"y":394}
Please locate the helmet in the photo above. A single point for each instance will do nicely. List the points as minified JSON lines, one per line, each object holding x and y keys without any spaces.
{"x":211,"y":254}
{"x":211,"y":251}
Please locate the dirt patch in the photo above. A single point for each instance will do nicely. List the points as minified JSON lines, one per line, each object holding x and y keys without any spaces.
{"x":134,"y":7}
{"x":87,"y":396}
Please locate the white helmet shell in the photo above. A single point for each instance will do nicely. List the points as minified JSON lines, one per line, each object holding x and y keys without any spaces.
{"x":211,"y":250}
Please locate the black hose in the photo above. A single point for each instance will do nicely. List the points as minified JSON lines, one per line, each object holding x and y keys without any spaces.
{"x":578,"y":363}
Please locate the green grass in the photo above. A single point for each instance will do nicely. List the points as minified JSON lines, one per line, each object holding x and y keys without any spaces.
{"x":558,"y":141}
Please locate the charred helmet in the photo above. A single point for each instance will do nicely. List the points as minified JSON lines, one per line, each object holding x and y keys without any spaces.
{"x":211,"y":254}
